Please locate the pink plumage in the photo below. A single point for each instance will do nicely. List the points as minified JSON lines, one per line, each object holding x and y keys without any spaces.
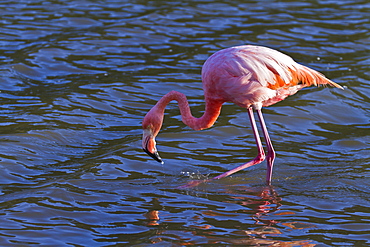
{"x":255,"y":76}
{"x":249,"y":76}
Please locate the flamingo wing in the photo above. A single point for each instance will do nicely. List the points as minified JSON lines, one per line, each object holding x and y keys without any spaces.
{"x":256,"y":76}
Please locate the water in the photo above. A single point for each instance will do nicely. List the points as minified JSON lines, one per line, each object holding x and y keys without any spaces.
{"x":77,"y":77}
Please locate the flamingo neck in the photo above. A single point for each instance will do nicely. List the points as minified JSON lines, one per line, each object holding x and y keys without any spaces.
{"x":212,"y":111}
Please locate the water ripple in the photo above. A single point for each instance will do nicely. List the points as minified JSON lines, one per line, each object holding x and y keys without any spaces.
{"x":77,"y":77}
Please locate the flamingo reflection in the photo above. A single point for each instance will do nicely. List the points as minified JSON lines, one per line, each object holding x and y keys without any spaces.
{"x":260,"y":204}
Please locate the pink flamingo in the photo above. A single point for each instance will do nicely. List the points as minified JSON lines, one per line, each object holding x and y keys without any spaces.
{"x":249,"y":76}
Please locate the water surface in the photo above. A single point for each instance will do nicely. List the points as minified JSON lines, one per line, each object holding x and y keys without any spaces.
{"x":77,"y":77}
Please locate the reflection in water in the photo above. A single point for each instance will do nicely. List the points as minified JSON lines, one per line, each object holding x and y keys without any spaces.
{"x":152,"y":216}
{"x":261,"y":204}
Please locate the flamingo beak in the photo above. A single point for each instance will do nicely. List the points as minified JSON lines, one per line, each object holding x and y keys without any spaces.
{"x":149,"y":146}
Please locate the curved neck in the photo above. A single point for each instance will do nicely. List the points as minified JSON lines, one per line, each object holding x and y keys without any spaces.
{"x":212,"y":111}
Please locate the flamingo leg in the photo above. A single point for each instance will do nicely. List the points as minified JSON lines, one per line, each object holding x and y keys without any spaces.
{"x":259,"y":158}
{"x":261,"y":154}
{"x":270,"y":149}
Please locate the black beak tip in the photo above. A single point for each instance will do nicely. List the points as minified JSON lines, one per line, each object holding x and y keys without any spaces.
{"x":155,"y":156}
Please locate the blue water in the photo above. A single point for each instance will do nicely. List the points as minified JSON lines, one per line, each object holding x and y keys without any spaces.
{"x":77,"y":78}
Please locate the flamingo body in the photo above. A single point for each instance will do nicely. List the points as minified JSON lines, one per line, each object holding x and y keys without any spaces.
{"x":255,"y":76}
{"x":249,"y":76}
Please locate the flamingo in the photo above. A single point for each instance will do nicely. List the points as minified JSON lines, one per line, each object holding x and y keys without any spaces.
{"x":251,"y":77}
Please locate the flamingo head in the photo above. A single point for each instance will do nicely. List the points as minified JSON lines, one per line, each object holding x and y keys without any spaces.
{"x":151,"y":126}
